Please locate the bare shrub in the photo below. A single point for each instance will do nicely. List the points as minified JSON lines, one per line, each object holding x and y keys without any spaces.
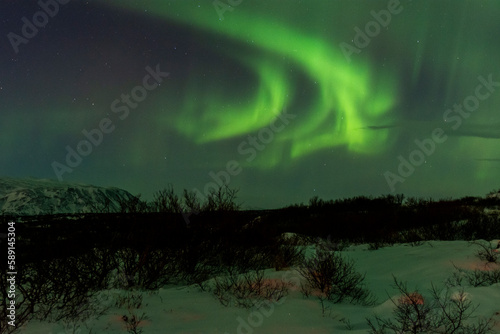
{"x":200,"y":274}
{"x":222,"y":199}
{"x":148,"y":269}
{"x":63,"y":290}
{"x":191,"y":202}
{"x":332,"y":245}
{"x":132,"y":300}
{"x":475,"y":278}
{"x":288,"y":256}
{"x":68,"y":289}
{"x":24,"y":307}
{"x":486,"y":252}
{"x":412,"y":313}
{"x":441,"y":312}
{"x":198,"y":263}
{"x":335,"y":277}
{"x":166,"y":200}
{"x":246,"y":289}
{"x":133,"y":205}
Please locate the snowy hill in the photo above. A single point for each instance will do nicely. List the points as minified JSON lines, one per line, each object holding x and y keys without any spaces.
{"x":41,"y":196}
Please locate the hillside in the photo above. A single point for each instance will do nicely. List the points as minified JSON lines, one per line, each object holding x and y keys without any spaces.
{"x":41,"y":196}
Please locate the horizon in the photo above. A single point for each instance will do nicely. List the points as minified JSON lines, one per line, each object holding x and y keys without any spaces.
{"x":285,"y":103}
{"x":149,"y":198}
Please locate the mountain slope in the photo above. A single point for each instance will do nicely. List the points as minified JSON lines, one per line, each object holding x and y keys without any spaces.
{"x":41,"y":196}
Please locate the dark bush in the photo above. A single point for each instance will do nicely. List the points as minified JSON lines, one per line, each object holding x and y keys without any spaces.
{"x":147,"y":269}
{"x":246,"y":290}
{"x":474,"y":277}
{"x":486,"y":252}
{"x":441,"y":312}
{"x":334,"y":276}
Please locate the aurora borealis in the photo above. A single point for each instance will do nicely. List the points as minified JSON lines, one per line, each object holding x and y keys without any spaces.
{"x":236,"y":70}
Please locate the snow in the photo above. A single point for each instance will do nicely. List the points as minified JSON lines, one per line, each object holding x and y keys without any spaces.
{"x":187,"y":309}
{"x":41,"y":196}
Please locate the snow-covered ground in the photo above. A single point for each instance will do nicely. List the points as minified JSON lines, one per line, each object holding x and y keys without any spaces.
{"x":187,"y":309}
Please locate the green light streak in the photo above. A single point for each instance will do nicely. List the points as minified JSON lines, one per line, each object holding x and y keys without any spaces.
{"x":217,"y":123}
{"x":347,"y":98}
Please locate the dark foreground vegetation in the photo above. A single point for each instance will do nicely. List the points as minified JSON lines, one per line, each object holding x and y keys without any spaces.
{"x":64,"y":261}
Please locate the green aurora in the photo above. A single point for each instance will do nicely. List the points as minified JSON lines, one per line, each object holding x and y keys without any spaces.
{"x":356,"y":110}
{"x":344,"y":101}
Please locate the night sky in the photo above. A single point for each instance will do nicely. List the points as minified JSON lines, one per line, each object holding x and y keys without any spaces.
{"x":284,"y":100}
